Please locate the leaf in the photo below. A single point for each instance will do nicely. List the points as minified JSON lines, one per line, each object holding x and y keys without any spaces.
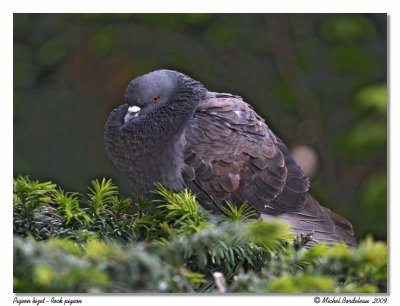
{"x":102,"y":194}
{"x":241,"y":214}
{"x":372,"y":97}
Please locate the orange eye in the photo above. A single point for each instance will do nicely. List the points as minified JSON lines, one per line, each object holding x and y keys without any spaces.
{"x":156,"y":99}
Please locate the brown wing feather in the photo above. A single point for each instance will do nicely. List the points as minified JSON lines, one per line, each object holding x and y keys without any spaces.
{"x":231,"y":154}
{"x":324,"y":225}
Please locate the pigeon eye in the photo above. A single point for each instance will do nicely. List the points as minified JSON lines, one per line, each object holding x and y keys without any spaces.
{"x":156,"y":99}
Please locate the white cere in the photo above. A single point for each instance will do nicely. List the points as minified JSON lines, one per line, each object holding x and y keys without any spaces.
{"x":134,"y":109}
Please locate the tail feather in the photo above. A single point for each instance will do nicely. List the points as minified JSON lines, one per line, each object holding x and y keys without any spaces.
{"x":321,"y":222}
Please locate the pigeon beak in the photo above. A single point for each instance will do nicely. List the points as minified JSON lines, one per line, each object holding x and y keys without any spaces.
{"x":132,"y":112}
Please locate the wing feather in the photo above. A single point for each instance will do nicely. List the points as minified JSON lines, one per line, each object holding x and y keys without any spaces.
{"x":231,"y":154}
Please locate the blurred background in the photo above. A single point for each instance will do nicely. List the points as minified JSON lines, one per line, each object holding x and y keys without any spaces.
{"x":319,"y":80}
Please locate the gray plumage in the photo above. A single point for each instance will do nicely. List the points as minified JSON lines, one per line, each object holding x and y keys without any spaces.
{"x":172,"y":130}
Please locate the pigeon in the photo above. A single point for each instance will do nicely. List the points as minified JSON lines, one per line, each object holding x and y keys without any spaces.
{"x":172,"y":130}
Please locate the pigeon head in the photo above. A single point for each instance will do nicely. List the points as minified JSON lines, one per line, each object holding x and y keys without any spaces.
{"x":147,"y":92}
{"x":150,"y":89}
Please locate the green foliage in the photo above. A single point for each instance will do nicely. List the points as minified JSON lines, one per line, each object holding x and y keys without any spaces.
{"x":270,"y":235}
{"x":364,"y":140}
{"x":239,"y":214}
{"x":181,"y":210}
{"x":372,"y":97}
{"x":373,"y":200}
{"x":68,"y":206}
{"x":367,"y":137}
{"x":347,"y":28}
{"x":66,"y":242}
{"x":301,"y":283}
{"x":102,"y":195}
{"x":31,"y":204}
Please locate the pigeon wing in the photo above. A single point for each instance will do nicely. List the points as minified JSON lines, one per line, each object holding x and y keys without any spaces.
{"x":232,"y":155}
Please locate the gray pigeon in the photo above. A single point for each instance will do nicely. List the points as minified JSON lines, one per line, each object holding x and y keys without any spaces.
{"x":172,"y":130}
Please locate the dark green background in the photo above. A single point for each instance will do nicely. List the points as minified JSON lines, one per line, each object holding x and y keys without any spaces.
{"x":319,"y":80}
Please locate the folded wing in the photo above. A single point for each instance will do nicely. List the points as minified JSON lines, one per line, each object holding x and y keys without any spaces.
{"x":231,"y":154}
